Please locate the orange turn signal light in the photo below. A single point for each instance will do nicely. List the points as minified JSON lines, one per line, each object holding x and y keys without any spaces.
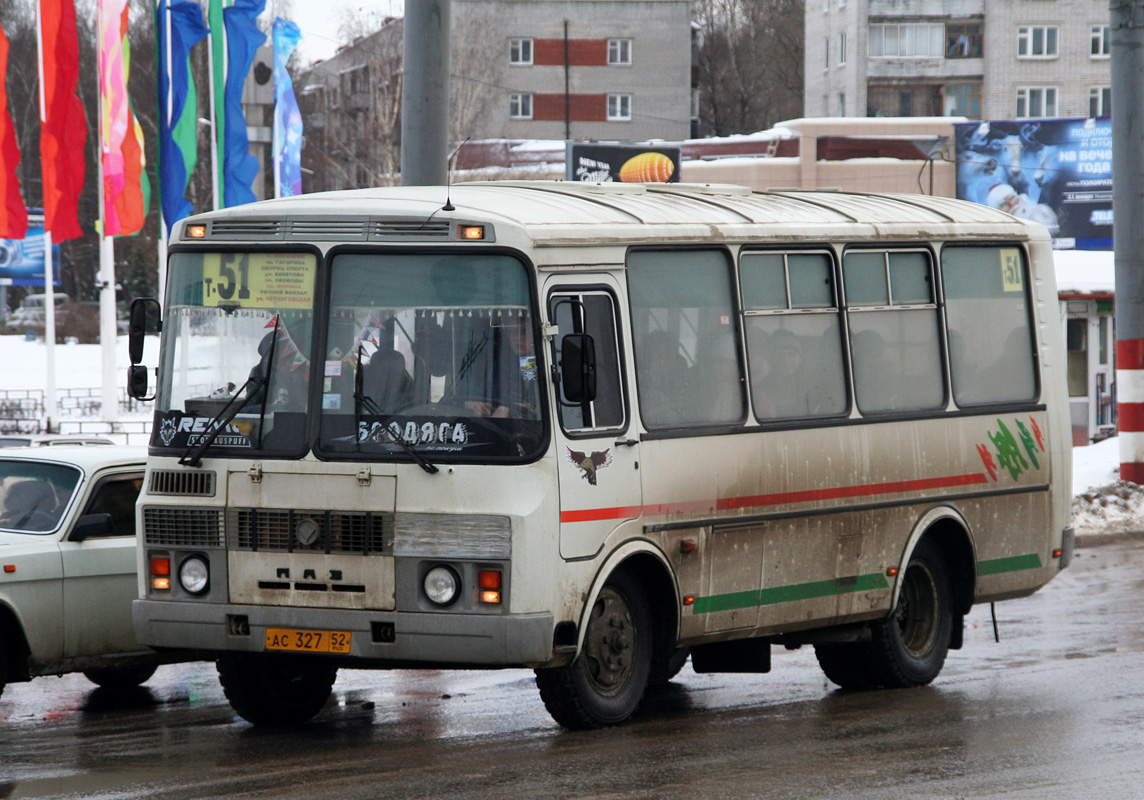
{"x":471,"y":232}
{"x":196,"y":231}
{"x":1057,"y":553}
{"x":9,"y":568}
{"x":688,"y":599}
{"x":891,"y":571}
{"x":490,"y":597}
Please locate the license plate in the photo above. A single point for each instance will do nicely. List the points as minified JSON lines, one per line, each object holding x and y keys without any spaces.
{"x":307,"y":641}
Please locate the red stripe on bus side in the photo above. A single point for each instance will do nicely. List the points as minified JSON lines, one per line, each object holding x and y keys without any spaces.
{"x":780,"y":498}
{"x":1129,"y":354}
{"x":1130,"y":417}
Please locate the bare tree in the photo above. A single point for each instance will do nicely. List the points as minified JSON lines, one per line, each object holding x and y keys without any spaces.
{"x":749,"y":63}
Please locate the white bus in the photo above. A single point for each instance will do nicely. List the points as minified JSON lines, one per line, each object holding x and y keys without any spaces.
{"x":589,"y":429}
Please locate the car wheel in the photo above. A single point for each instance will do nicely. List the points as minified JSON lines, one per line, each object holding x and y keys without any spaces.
{"x":271,"y":689}
{"x":606,"y":682}
{"x":119,"y":678}
{"x":909,"y":647}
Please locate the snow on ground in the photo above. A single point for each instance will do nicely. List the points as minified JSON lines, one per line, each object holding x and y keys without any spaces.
{"x":1102,"y":503}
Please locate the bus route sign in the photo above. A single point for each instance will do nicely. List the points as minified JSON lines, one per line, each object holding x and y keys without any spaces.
{"x":259,"y":280}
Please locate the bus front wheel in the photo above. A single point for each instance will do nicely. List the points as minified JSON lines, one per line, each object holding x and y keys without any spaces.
{"x":606,"y":683}
{"x":268,"y":689}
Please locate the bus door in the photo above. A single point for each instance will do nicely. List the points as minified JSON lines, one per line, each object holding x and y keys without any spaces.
{"x":598,"y":460}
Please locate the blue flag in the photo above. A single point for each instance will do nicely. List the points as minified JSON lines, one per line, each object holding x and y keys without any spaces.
{"x":243,"y":39}
{"x":178,"y":112}
{"x":287,"y":116}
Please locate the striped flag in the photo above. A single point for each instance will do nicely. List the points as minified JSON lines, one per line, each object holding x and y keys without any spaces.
{"x":125,"y":185}
{"x":63,"y":127}
{"x":178,"y":103}
{"x":13,"y":212}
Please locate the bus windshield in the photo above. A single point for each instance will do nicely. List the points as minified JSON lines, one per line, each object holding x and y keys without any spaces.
{"x":237,"y":333}
{"x":437,"y":350}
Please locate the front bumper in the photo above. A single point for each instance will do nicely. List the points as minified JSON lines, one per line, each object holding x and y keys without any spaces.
{"x":460,"y":640}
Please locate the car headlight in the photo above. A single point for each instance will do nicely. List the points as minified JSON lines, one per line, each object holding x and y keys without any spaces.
{"x":194,"y":575}
{"x":442,"y":585}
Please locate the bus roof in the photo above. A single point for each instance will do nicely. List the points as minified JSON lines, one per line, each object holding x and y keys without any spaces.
{"x":556,"y":213}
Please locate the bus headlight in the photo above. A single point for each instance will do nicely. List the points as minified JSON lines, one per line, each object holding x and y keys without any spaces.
{"x":442,"y":585}
{"x":194,"y":575}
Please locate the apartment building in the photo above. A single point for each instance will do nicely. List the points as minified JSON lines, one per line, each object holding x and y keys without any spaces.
{"x":982,"y":59}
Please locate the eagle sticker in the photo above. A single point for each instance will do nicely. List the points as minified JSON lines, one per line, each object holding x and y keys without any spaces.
{"x":589,"y":463}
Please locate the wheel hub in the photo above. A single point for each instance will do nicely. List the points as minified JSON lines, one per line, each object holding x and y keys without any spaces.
{"x":609,"y":643}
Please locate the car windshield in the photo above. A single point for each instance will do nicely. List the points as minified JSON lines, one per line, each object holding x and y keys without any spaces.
{"x":34,"y":494}
{"x":237,"y":333}
{"x":435,"y":350}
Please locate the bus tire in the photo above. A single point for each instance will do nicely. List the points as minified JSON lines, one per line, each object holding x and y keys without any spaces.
{"x":120,"y":678}
{"x":909,"y":647}
{"x":607,"y":681}
{"x":663,"y":670}
{"x":3,"y":663}
{"x":845,"y":664}
{"x":271,"y":689}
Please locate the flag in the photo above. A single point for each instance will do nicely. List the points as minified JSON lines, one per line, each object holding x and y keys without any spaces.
{"x":63,"y":127}
{"x":13,"y":212}
{"x":125,"y":185}
{"x":243,"y":39}
{"x":178,"y":104}
{"x":287,"y":116}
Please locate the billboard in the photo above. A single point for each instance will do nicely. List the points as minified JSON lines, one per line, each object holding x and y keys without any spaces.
{"x":1057,"y":172}
{"x":621,"y":163}
{"x":22,"y":260}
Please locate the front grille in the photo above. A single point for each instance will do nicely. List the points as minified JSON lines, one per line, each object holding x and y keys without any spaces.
{"x":272,"y":530}
{"x":182,"y":482}
{"x":339,"y":229}
{"x":183,"y":527}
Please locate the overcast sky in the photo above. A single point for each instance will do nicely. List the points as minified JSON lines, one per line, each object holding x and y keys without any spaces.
{"x":320,"y":19}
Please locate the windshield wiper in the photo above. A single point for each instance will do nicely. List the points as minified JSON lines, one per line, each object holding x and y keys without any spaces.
{"x":193,"y":455}
{"x":361,"y":399}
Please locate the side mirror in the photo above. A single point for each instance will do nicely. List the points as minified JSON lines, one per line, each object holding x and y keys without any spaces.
{"x":92,"y":526}
{"x":578,"y":367}
{"x":137,"y":382}
{"x":144,"y":319}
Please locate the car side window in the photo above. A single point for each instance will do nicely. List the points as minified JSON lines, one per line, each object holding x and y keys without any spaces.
{"x":116,"y":496}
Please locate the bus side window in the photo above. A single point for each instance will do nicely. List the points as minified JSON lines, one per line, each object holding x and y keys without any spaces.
{"x":988,"y":363}
{"x":794,"y":335}
{"x":593,"y":313}
{"x":894,"y":346}
{"x":686,"y":342}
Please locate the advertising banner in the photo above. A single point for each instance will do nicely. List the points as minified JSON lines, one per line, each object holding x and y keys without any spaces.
{"x":621,"y":163}
{"x":1056,"y":172}
{"x":22,"y":260}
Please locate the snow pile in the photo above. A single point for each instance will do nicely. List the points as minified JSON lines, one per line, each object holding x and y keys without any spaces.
{"x":1114,"y":508}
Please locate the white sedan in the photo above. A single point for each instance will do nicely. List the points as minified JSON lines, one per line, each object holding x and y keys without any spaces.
{"x":67,"y":564}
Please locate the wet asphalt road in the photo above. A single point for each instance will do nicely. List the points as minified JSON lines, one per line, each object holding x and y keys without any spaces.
{"x":1055,"y":710}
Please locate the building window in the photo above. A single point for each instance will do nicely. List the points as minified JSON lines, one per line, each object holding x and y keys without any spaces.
{"x":620,"y":51}
{"x":825,"y":6}
{"x":841,"y":49}
{"x":907,"y":41}
{"x":619,"y":108}
{"x":1036,"y":101}
{"x":842,"y":3}
{"x":963,"y":100}
{"x":1037,"y":41}
{"x":1100,"y":44}
{"x":520,"y":51}
{"x":520,"y":105}
{"x":963,"y":40}
{"x":825,"y":53}
{"x":842,"y":104}
{"x":1100,"y":101}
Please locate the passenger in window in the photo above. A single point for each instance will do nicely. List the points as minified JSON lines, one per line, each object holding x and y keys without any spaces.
{"x":515,"y":387}
{"x":663,"y":380}
{"x":872,"y":377}
{"x":786,"y":390}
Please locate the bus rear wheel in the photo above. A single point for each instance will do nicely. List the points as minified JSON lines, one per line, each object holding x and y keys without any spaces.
{"x":270,"y":689}
{"x":605,"y":684}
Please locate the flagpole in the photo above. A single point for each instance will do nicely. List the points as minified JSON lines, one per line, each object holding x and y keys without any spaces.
{"x":109,"y":405}
{"x":166,"y":109}
{"x":218,"y":53}
{"x":49,"y":283}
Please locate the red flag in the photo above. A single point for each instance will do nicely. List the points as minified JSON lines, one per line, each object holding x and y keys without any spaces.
{"x":13,"y":213}
{"x":63,"y":128}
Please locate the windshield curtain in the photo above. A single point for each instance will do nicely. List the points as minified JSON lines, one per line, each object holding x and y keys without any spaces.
{"x":437,"y":350}
{"x":34,"y":495}
{"x":238,"y":328}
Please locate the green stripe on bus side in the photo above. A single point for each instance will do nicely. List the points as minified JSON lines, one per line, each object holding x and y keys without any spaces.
{"x":996,"y":566}
{"x":786,"y":594}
